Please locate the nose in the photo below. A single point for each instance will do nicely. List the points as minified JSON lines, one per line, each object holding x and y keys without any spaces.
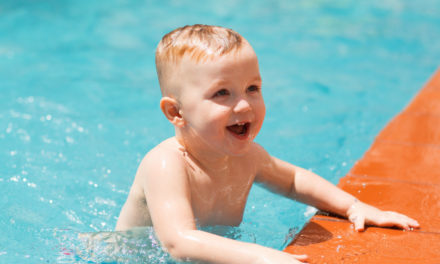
{"x":242,"y":106}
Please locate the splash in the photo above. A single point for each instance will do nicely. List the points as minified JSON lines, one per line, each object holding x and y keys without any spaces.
{"x":138,"y":245}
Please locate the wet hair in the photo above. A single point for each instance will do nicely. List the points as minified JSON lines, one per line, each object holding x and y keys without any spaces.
{"x":198,"y":42}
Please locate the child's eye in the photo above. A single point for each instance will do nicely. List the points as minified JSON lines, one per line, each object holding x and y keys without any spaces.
{"x":253,"y":88}
{"x":221,"y":92}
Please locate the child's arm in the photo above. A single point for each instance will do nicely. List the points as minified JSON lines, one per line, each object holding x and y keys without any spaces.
{"x":168,"y":198}
{"x":307,"y":187}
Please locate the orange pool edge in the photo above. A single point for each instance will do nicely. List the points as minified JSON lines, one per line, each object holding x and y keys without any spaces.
{"x":400,"y":172}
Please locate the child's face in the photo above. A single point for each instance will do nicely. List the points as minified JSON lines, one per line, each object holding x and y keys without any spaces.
{"x":221,"y":101}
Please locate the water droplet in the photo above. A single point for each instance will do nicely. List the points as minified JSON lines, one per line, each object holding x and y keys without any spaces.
{"x":46,"y":139}
{"x":305,"y":108}
{"x":14,"y":178}
{"x":9,"y":128}
{"x":338,"y":248}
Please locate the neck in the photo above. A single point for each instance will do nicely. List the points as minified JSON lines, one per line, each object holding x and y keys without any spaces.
{"x":203,"y":155}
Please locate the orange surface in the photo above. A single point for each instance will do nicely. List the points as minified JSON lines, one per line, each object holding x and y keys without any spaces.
{"x":400,"y":172}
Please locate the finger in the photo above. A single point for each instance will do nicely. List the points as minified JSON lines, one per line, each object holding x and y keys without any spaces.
{"x":301,"y":257}
{"x":412,"y":222}
{"x":398,"y":220}
{"x":409,"y":224}
{"x":358,"y":221}
{"x":404,"y":226}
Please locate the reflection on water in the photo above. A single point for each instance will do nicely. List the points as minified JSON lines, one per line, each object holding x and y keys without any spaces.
{"x":139,"y":245}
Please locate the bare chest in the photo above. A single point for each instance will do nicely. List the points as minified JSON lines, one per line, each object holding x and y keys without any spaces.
{"x":220,"y":199}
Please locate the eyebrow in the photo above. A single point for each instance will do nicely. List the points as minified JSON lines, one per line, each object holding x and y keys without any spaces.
{"x":257,"y":78}
{"x":220,"y":82}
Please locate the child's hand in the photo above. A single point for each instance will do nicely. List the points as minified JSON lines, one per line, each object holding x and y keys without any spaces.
{"x":360,"y":214}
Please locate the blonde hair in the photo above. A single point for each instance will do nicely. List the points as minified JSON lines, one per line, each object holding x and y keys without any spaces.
{"x":198,"y":42}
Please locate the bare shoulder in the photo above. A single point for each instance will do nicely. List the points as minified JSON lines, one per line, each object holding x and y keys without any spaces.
{"x":258,"y":149}
{"x":165,"y":157}
{"x":273,"y":173}
{"x":259,"y":155}
{"x":159,"y":167}
{"x":265,"y":162}
{"x":168,"y":149}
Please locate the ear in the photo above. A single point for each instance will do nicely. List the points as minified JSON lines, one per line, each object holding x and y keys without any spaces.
{"x":171,"y":109}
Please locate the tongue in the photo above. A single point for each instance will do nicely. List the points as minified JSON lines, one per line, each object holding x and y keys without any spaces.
{"x":237,"y":129}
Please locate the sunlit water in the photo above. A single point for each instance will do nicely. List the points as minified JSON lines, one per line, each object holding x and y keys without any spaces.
{"x":79,"y":108}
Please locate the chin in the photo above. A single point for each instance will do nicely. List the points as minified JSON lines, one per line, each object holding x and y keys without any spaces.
{"x":237,"y":152}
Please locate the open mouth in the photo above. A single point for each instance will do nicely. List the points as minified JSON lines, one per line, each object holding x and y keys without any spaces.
{"x":240,"y":130}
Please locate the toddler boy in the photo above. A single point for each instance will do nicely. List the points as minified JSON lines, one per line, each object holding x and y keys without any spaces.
{"x":211,"y":87}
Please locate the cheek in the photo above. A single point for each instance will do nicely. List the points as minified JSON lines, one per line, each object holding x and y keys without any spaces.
{"x":210,"y":117}
{"x":264,"y":110}
{"x":261,"y":113}
{"x":261,"y":110}
{"x":219,"y":116}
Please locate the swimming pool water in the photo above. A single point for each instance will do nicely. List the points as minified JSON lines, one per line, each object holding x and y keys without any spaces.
{"x":79,"y":105}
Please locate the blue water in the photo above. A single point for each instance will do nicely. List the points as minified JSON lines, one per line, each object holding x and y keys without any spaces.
{"x":79,"y":106}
